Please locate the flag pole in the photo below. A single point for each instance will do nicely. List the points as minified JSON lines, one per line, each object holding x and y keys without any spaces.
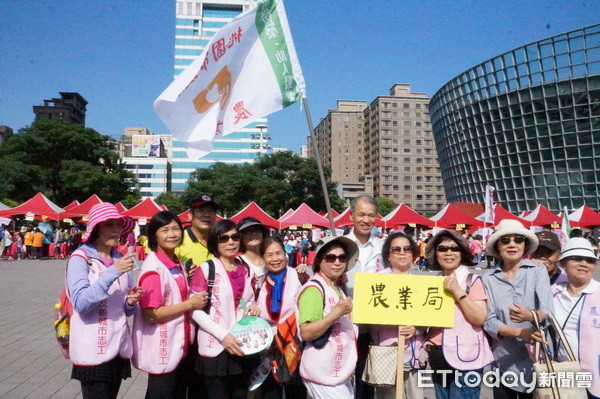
{"x":319,"y":165}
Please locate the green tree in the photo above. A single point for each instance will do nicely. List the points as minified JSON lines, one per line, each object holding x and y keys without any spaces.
{"x":385,"y":205}
{"x":275,"y":182}
{"x":65,"y":160}
{"x":172,"y":201}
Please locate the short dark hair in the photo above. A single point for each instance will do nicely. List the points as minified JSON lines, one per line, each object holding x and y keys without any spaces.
{"x":221,"y":227}
{"x":466,"y":255}
{"x":159,"y":220}
{"x":387,"y":245}
{"x":268,"y":241}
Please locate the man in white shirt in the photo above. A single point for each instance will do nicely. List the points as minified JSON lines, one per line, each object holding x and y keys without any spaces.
{"x":363,"y":212}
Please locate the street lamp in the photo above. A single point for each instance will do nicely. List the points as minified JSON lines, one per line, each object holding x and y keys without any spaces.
{"x":261,"y":128}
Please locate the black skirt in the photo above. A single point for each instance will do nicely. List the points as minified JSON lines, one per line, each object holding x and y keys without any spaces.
{"x":226,"y":364}
{"x":114,"y":370}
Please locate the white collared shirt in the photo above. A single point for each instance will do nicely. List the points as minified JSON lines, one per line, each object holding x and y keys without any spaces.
{"x":563,"y":303}
{"x":369,"y":258}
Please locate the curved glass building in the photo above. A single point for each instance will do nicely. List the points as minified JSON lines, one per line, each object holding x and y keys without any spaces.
{"x":527,"y":122}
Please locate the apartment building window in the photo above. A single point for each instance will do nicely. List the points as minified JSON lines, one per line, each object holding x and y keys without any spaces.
{"x":419,"y":187}
{"x":406,"y":105}
{"x":396,"y":169}
{"x":407,"y":187}
{"x":418,"y":124}
{"x":406,"y":178}
{"x":406,"y":141}
{"x":418,"y":178}
{"x":406,"y":123}
{"x":407,"y":196}
{"x":407,"y":168}
{"x":394,"y":105}
{"x":419,"y":160}
{"x":386,"y":105}
{"x":418,"y":106}
{"x":395,"y":187}
{"x":406,"y":114}
{"x":417,"y":115}
{"x":406,"y":160}
{"x":418,"y":142}
{"x":428,"y":188}
{"x":407,"y":150}
{"x":419,"y":197}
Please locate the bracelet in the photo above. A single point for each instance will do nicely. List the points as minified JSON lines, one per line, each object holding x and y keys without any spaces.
{"x":462,"y":297}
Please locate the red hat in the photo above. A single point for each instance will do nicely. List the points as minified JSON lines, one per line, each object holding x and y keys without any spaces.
{"x":101,"y":213}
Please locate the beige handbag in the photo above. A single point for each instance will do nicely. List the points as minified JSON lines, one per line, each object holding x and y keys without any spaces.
{"x":548,"y":385}
{"x":380,"y":369}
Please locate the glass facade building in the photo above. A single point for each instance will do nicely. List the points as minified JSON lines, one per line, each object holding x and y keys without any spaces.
{"x":196,"y":23}
{"x":527,"y":122}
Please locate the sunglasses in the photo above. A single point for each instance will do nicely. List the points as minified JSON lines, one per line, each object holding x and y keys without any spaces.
{"x":397,"y":250}
{"x":223,"y":238}
{"x":444,"y":248}
{"x":331,"y":258}
{"x":591,"y":261}
{"x":507,"y":239}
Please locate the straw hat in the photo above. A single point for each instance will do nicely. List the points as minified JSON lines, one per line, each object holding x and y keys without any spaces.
{"x":349,"y":246}
{"x":511,"y":227}
{"x":577,"y":247}
{"x":101,"y":213}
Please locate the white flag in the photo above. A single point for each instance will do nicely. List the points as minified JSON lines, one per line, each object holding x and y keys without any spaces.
{"x":489,"y":204}
{"x":248,"y":70}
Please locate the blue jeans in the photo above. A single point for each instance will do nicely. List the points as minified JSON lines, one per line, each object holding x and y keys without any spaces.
{"x":452,"y":390}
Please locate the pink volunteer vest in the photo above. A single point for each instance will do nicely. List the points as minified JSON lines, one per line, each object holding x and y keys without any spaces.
{"x":288,"y":303}
{"x":589,"y":330}
{"x":222,"y":309}
{"x":101,"y":334}
{"x":334,"y":363}
{"x":465,"y":345}
{"x":158,"y":348}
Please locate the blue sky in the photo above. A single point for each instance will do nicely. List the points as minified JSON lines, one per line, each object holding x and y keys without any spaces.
{"x":119,"y":54}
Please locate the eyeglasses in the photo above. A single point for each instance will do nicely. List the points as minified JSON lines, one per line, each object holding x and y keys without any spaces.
{"x":444,"y":248}
{"x":507,"y":239}
{"x":397,"y":250}
{"x":591,"y":261}
{"x":331,"y":258}
{"x":223,"y":238}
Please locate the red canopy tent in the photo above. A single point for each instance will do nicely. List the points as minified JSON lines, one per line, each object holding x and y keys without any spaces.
{"x":36,"y":205}
{"x":523,"y":214}
{"x":84,"y":208}
{"x":304,"y":215}
{"x":541,"y":216}
{"x":344,"y":220}
{"x":450,"y":216}
{"x":145,"y":209}
{"x":334,"y":213}
{"x":120,"y":207}
{"x":71,"y":205}
{"x":584,"y":217}
{"x":255,"y":211}
{"x":286,"y":214}
{"x":500,"y":214}
{"x":403,"y":215}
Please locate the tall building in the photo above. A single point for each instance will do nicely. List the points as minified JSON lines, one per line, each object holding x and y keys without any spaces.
{"x":70,"y":107}
{"x":5,"y":131}
{"x":196,"y":22}
{"x":339,"y":139}
{"x":526,"y":122}
{"x":384,"y":149}
{"x":146,"y":155}
{"x":399,"y":150}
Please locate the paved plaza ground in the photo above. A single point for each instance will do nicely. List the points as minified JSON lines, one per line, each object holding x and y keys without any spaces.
{"x":30,"y":363}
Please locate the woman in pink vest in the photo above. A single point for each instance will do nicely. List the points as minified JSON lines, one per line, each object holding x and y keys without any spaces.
{"x":398,"y":252}
{"x":100,"y":288}
{"x":329,"y":357}
{"x":222,"y":364}
{"x":277,"y":302}
{"x":577,"y":309}
{"x":463,"y":349}
{"x":162,"y":331}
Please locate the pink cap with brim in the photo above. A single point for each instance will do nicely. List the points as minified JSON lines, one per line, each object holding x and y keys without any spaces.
{"x":101,"y":213}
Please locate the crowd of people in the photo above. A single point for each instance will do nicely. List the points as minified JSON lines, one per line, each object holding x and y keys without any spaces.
{"x":198,"y":282}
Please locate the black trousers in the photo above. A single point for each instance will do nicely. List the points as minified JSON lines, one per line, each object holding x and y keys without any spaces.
{"x":100,"y":390}
{"x":227,"y":387}
{"x":181,"y":383}
{"x":362,"y":389}
{"x":503,"y":392}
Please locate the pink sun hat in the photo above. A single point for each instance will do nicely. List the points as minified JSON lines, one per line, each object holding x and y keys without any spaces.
{"x":101,"y":213}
